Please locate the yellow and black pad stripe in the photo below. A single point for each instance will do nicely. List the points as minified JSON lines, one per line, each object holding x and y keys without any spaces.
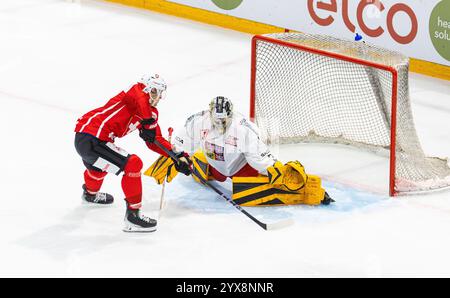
{"x":275,"y":177}
{"x":161,"y":163}
{"x":159,"y":169}
{"x":200,"y":166}
{"x":256,"y":191}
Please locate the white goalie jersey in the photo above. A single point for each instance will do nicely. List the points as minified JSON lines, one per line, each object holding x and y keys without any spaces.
{"x":229,"y":152}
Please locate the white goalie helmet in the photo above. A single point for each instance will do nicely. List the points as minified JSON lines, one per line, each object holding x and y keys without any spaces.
{"x":155,"y":86}
{"x":221,"y":109}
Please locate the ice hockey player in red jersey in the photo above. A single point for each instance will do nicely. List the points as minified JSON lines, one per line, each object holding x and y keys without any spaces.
{"x":94,"y":142}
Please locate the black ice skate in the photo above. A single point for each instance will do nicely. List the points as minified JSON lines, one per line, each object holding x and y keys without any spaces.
{"x":100,"y":198}
{"x":136,"y":222}
{"x":327,"y":200}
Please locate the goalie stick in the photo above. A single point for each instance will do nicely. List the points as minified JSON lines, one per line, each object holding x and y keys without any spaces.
{"x":265,"y":226}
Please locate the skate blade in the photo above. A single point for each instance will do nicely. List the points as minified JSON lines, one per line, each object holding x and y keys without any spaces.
{"x":134,"y":229}
{"x":97,"y":205}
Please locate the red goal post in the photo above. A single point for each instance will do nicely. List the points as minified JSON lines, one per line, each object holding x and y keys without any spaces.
{"x":313,"y":88}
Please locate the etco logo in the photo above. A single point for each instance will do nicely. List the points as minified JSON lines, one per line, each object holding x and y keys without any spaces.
{"x":227,"y":4}
{"x":440,"y":28}
{"x":377,"y":6}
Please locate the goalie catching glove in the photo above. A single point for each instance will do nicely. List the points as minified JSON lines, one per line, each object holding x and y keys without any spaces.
{"x":167,"y":167}
{"x":292,"y":175}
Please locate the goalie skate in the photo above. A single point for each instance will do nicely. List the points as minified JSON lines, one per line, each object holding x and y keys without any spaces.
{"x":327,"y":200}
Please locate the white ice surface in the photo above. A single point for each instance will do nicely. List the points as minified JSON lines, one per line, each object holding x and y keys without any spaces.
{"x":60,"y":59}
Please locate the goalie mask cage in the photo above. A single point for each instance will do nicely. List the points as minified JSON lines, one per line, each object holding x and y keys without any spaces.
{"x":312,"y":88}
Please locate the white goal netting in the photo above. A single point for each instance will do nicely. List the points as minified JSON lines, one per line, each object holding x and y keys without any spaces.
{"x":310,"y":88}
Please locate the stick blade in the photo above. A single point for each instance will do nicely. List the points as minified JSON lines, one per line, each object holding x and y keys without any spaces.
{"x":280,"y":224}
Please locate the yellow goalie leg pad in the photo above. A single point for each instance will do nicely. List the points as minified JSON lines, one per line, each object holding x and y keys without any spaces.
{"x":313,"y":191}
{"x":163,"y":167}
{"x":200,"y":166}
{"x":257,"y":191}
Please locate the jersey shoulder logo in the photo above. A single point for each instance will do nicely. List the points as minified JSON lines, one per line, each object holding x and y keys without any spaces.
{"x":190,"y":118}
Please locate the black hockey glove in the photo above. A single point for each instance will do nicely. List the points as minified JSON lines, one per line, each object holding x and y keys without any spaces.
{"x":183,"y":164}
{"x":147,"y":134}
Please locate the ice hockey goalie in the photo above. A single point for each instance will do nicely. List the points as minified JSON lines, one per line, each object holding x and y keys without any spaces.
{"x":223,"y":144}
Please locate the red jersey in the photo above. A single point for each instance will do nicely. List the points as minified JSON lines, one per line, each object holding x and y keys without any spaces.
{"x":121,"y":115}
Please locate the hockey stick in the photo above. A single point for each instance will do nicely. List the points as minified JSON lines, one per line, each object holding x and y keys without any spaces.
{"x":265,"y":226}
{"x":161,"y":200}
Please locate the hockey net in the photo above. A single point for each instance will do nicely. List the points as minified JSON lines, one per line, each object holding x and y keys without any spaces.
{"x":312,"y":88}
